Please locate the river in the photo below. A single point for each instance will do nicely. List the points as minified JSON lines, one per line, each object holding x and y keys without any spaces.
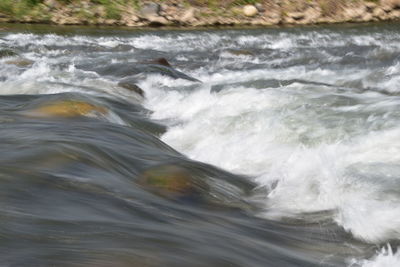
{"x":258,"y":147}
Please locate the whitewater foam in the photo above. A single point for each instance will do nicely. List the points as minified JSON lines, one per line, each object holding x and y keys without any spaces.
{"x":317,"y":147}
{"x":311,"y":157}
{"x":384,"y":258}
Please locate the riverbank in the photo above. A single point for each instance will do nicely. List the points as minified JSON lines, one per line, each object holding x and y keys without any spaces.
{"x":197,"y":13}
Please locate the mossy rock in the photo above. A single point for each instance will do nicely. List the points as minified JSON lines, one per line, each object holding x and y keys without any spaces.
{"x":172,"y":181}
{"x":7,"y":53}
{"x":68,"y":109}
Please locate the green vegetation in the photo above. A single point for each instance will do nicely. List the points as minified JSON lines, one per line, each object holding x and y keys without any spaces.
{"x":112,"y":7}
{"x":98,"y":11}
{"x":222,"y":3}
{"x":17,"y":8}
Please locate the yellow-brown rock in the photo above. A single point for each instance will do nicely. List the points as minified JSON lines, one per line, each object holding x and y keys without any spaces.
{"x":391,"y":3}
{"x":240,"y":52}
{"x":68,"y":109}
{"x":170,"y":181}
{"x":20,"y":62}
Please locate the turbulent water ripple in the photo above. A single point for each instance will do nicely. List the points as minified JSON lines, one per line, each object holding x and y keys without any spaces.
{"x":285,"y":154}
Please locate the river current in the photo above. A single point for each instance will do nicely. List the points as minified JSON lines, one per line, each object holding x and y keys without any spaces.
{"x":282,"y":151}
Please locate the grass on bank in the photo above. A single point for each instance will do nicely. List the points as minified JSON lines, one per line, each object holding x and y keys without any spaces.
{"x":20,"y":8}
{"x":114,"y":8}
{"x":37,"y":9}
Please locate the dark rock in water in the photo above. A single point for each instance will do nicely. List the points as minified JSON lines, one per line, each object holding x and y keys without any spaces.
{"x":156,"y":68}
{"x":159,"y":66}
{"x":160,"y":61}
{"x":7,"y":53}
{"x":194,"y":185}
{"x":172,"y":181}
{"x":131,"y":87}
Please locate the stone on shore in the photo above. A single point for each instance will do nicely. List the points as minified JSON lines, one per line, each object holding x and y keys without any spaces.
{"x":189,"y":15}
{"x":150,"y":9}
{"x":250,"y":11}
{"x":151,"y":12}
{"x":173,"y":12}
{"x":392,"y":4}
{"x":296,"y":15}
{"x":52,"y":4}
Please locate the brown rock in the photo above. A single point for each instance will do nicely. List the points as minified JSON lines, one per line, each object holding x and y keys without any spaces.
{"x":110,"y":21}
{"x":311,"y":15}
{"x":355,"y":13}
{"x":160,"y":61}
{"x":379,"y":13}
{"x":189,"y":15}
{"x":20,"y":62}
{"x":157,"y":20}
{"x":395,"y":14}
{"x":237,"y":10}
{"x":259,"y":7}
{"x":150,"y":10}
{"x":392,"y":4}
{"x":370,"y":6}
{"x":99,"y":12}
{"x":171,"y":181}
{"x":274,"y":17}
{"x":131,"y":87}
{"x":296,"y":15}
{"x":67,"y":109}
{"x":367,"y":17}
{"x":52,"y":4}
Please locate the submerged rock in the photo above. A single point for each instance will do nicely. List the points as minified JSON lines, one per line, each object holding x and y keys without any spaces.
{"x":240,"y":52}
{"x":173,"y":182}
{"x":68,"y":109}
{"x":7,"y":53}
{"x":159,"y":66}
{"x":22,"y":62}
{"x":127,"y":84}
{"x":195,"y":185}
{"x":159,"y":61}
{"x":162,"y":66}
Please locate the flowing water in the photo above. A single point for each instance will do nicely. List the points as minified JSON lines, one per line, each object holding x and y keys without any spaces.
{"x":286,"y":153}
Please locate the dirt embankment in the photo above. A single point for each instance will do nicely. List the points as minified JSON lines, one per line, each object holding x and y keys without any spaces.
{"x":193,"y":13}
